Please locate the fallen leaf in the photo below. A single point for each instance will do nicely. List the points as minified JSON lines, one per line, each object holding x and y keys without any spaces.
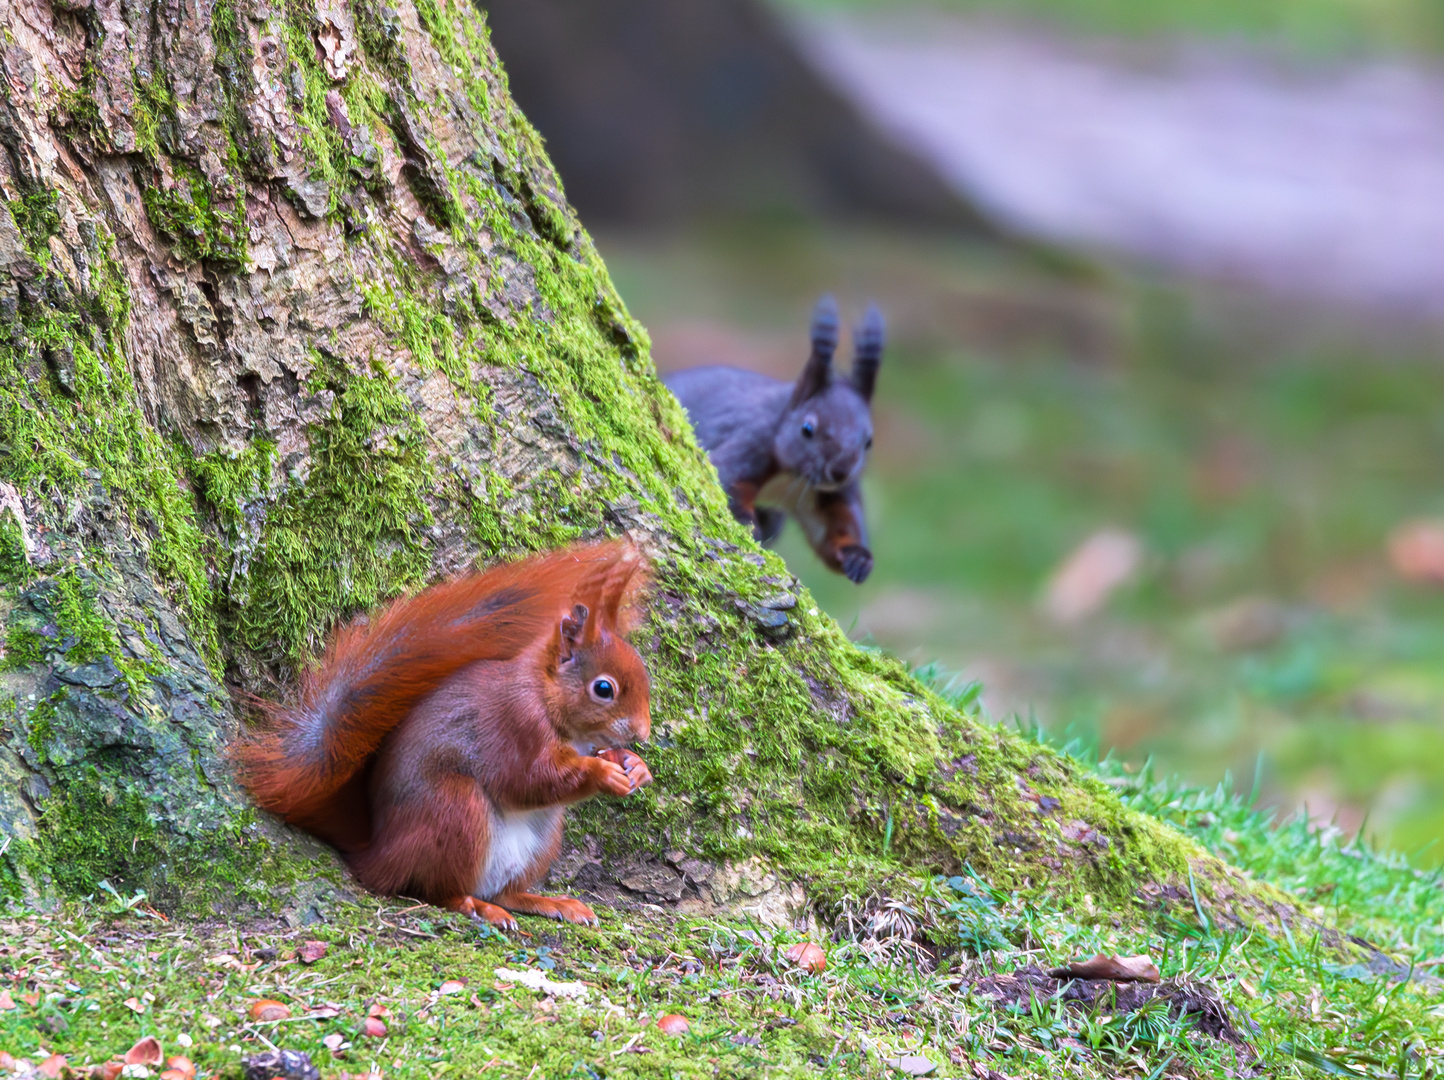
{"x":135,"y":1005}
{"x":808,"y":957}
{"x":333,"y":1042}
{"x":51,"y":1067}
{"x":30,"y":999}
{"x":378,"y":1009}
{"x":1416,"y":551}
{"x":145,"y":1052}
{"x":176,"y":1074}
{"x":312,"y":951}
{"x":1086,"y":579}
{"x":6,"y":1061}
{"x":912,"y":1064}
{"x":6,"y":1001}
{"x":266,"y":1009}
{"x":180,"y":1064}
{"x":1112,"y":968}
{"x":373,"y":1028}
{"x":674,"y":1024}
{"x":109,"y":1071}
{"x":452,"y":986}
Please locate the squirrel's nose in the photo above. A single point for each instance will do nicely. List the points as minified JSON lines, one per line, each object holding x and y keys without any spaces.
{"x":837,"y":472}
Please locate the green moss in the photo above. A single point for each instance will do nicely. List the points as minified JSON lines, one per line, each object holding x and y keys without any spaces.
{"x":80,"y":629}
{"x":153,"y":114}
{"x":187,"y":213}
{"x":428,"y":333}
{"x":346,"y":536}
{"x":37,"y":215}
{"x":95,"y":826}
{"x":14,"y":561}
{"x":78,"y":113}
{"x":60,"y":621}
{"x":40,"y":724}
{"x":70,"y":422}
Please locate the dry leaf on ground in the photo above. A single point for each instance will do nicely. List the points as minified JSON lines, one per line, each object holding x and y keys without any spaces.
{"x":1086,"y":579}
{"x":452,"y":986}
{"x":1112,"y":968}
{"x":135,"y":1005}
{"x":266,"y":1009}
{"x":145,"y":1052}
{"x":373,"y":1028}
{"x":808,"y":956}
{"x":1416,"y":551}
{"x":674,"y":1024}
{"x":52,"y":1067}
{"x":311,"y":951}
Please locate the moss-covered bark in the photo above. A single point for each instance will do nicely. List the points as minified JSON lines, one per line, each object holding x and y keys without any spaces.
{"x":295,"y":317}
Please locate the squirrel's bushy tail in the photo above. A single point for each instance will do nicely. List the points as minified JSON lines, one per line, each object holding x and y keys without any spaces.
{"x":375,"y":671}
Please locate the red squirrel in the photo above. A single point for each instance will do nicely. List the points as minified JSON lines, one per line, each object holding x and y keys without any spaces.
{"x":794,"y":448}
{"x":437,"y":745}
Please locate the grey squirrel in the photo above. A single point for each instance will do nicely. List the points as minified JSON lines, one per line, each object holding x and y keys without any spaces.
{"x":794,"y":448}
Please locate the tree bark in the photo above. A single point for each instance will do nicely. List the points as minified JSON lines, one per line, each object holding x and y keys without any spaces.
{"x":295,"y":317}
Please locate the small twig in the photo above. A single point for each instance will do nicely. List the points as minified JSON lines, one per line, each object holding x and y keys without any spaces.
{"x":403,"y":930}
{"x":630,"y":1043}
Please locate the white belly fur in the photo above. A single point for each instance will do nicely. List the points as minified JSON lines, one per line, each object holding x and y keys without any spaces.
{"x":516,"y":841}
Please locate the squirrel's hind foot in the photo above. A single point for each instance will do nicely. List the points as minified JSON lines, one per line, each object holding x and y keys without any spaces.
{"x":562,"y":908}
{"x":477,"y":908}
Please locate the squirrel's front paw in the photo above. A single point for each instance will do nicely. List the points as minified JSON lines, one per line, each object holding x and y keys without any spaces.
{"x":636,"y":769}
{"x":611,"y":777}
{"x":856,"y":562}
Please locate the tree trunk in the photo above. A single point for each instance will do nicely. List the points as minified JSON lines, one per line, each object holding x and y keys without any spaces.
{"x":296,"y":317}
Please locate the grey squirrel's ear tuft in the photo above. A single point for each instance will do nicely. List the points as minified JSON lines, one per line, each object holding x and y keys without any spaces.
{"x":817,"y":371}
{"x":868,"y":340}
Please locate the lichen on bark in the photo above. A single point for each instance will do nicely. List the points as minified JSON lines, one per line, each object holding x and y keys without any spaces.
{"x":296,"y":317}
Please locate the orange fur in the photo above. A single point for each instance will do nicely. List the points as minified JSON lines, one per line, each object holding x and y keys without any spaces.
{"x":310,"y":761}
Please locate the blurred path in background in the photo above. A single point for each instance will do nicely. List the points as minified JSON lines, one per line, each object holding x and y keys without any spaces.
{"x":1324,"y":183}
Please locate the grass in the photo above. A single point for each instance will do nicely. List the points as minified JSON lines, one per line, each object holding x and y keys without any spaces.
{"x":1320,"y":27}
{"x":909,"y":968}
{"x":1262,"y":458}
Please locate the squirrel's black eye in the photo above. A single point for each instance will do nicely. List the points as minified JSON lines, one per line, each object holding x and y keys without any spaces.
{"x":808,"y":428}
{"x":604,"y":689}
{"x":869,"y":443}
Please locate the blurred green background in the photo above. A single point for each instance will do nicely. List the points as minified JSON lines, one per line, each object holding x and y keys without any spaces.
{"x":1261,"y":458}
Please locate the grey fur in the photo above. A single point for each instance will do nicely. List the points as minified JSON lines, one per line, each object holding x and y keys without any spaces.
{"x":764,"y":435}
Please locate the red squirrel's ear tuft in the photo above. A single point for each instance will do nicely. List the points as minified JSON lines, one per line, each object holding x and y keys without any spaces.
{"x":573,"y":631}
{"x":620,"y":591}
